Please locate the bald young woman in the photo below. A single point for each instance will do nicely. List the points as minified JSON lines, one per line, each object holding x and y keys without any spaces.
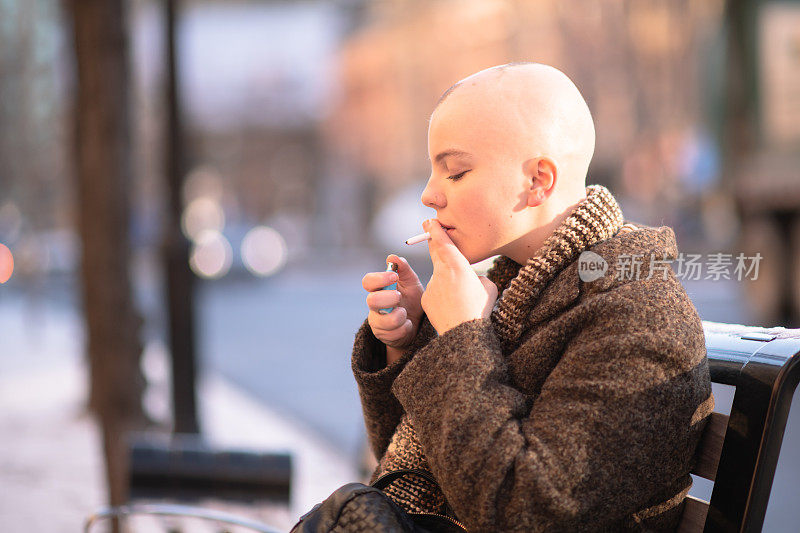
{"x":540,"y":399}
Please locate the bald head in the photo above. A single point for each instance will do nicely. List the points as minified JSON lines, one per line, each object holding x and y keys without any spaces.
{"x":530,"y":110}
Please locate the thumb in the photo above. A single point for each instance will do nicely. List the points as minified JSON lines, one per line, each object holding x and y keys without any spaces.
{"x":404,"y":271}
{"x":491,"y":288}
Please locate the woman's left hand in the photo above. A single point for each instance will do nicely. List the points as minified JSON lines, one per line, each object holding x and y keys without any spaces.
{"x":455,"y":294}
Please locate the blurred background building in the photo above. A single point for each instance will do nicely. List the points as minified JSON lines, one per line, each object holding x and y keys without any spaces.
{"x":306,"y":143}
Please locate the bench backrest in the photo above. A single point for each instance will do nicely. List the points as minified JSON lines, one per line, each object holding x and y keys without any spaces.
{"x":739,"y":452}
{"x":707,"y":460}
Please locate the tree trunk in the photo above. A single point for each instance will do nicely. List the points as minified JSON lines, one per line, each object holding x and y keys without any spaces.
{"x":103,"y":177}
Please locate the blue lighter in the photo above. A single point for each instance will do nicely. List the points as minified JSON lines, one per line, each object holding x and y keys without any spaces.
{"x":390,"y":267}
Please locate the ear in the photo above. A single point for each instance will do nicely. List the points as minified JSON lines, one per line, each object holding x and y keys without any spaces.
{"x":542,"y":173}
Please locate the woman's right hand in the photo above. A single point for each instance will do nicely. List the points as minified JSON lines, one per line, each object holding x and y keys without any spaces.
{"x":398,"y":328}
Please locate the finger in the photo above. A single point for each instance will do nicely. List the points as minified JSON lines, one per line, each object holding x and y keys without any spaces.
{"x":375,"y":281}
{"x":440,"y":246}
{"x":397,"y":334}
{"x":491,"y":295}
{"x":384,"y":324}
{"x":404,"y":271}
{"x":378,"y":300}
{"x":491,"y":288}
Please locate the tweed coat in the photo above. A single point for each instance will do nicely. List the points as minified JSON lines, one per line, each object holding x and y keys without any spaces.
{"x":577,"y":406}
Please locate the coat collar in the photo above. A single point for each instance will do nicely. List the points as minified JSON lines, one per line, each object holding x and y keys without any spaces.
{"x":596,"y":218}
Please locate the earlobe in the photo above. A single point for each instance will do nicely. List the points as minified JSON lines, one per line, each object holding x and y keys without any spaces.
{"x":535,"y":197}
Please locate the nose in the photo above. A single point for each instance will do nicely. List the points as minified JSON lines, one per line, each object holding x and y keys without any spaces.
{"x":432,"y":196}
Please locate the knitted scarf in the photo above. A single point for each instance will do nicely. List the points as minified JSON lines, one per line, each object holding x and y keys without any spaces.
{"x":595,"y":219}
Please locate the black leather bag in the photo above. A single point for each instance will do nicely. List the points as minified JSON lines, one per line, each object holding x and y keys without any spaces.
{"x":355,"y":508}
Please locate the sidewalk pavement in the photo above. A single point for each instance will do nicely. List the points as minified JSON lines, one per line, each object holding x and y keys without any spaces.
{"x":51,"y":469}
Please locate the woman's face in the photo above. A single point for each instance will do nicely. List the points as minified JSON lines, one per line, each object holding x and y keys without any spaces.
{"x":476,"y":186}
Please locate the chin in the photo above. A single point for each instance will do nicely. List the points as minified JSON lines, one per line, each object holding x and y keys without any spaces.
{"x":473,"y":256}
{"x":472,"y":259}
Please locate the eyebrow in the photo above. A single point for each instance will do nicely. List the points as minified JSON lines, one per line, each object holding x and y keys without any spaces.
{"x":451,"y":153}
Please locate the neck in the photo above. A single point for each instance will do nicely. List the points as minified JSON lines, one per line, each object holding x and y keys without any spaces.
{"x":549,"y":216}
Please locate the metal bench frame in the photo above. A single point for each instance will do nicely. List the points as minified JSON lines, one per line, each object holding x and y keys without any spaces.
{"x":762,"y":365}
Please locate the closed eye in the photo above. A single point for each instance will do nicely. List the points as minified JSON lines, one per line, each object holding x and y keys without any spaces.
{"x":458,"y":176}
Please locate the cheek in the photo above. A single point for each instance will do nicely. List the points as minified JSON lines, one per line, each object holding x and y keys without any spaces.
{"x":482,"y":219}
{"x":472,"y":206}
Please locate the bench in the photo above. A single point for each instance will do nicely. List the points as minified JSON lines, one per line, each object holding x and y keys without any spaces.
{"x":186,"y":468}
{"x":739,"y":452}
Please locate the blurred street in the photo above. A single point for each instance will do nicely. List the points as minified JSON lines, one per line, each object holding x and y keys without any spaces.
{"x":51,"y":462}
{"x":288,"y":341}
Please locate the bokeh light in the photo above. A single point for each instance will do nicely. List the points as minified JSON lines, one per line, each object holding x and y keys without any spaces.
{"x":201,"y":215}
{"x":263,"y":251}
{"x":211,"y":255}
{"x":6,"y":263}
{"x":204,"y":181}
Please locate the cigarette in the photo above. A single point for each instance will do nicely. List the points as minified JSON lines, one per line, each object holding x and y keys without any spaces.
{"x":419,"y":238}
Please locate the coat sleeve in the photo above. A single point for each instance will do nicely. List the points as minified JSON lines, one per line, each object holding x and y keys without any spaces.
{"x":374,"y":378}
{"x":610,"y":433}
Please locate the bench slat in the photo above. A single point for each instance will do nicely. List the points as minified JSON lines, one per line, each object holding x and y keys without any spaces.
{"x":693,"y":519}
{"x":709,"y":449}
